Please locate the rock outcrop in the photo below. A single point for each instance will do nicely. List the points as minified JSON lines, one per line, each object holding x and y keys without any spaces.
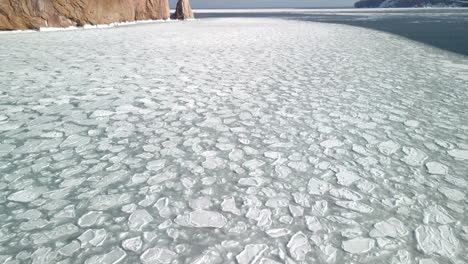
{"x":33,"y":14}
{"x":183,"y":10}
{"x":409,"y":3}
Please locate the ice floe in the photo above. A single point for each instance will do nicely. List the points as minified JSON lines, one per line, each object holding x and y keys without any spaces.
{"x":298,"y":246}
{"x":436,"y":168}
{"x":358,"y":245}
{"x":459,"y":154}
{"x":391,"y":228}
{"x":202,"y":218}
{"x":439,"y":240}
{"x":251,"y":253}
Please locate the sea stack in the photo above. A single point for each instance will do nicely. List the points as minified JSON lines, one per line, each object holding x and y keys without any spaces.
{"x":183,"y":10}
{"x":33,"y":14}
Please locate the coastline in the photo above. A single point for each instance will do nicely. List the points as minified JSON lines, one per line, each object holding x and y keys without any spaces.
{"x":88,"y":27}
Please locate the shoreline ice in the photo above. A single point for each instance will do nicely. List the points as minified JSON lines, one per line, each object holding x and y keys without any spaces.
{"x":89,"y":26}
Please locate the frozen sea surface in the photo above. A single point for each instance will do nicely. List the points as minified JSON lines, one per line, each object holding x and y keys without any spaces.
{"x":232,"y":141}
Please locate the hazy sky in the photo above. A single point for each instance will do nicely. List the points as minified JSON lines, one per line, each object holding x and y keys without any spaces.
{"x":266,"y":3}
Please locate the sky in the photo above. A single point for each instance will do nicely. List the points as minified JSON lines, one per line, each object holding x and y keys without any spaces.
{"x":267,"y":3}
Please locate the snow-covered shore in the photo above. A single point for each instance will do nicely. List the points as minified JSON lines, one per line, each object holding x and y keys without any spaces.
{"x":232,"y":140}
{"x":100,"y":26}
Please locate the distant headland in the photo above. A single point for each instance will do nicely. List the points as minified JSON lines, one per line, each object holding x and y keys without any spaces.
{"x":410,"y":3}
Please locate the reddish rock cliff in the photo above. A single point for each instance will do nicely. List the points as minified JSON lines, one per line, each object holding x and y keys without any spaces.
{"x":30,"y":14}
{"x":183,"y":10}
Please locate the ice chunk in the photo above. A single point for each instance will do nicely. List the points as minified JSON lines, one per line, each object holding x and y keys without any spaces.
{"x":139,"y":219}
{"x":75,"y":141}
{"x":9,"y":126}
{"x":388,"y":147}
{"x":209,"y":256}
{"x":69,"y":249}
{"x":161,"y":177}
{"x":452,"y":194}
{"x":346,"y":194}
{"x":296,"y":210}
{"x":158,"y":255}
{"x":313,"y":224}
{"x":356,"y":206}
{"x":278,"y":232}
{"x":411,"y":123}
{"x":225,"y":146}
{"x":401,"y":257}
{"x":201,"y":203}
{"x":93,"y":238}
{"x":116,"y":255}
{"x":89,"y":219}
{"x":318,"y":187}
{"x":328,"y":253}
{"x":299,"y":166}
{"x":459,"y":154}
{"x":414,"y":157}
{"x":298,"y":246}
{"x":437,"y":214}
{"x":229,"y":205}
{"x":5,"y":149}
{"x":391,"y":228}
{"x":33,"y":146}
{"x":428,"y":261}
{"x":440,"y":240}
{"x":436,"y":168}
{"x":202,"y":218}
{"x":360,"y":149}
{"x":133,"y":244}
{"x":268,"y":261}
{"x":277,"y":202}
{"x":347,"y":178}
{"x":302,"y":199}
{"x":104,"y":202}
{"x":43,"y":255}
{"x":156,"y":165}
{"x":252,"y":181}
{"x":212,"y":163}
{"x":331,"y":143}
{"x":319,"y":208}
{"x":263,"y":217}
{"x":358,"y":245}
{"x":251,"y":253}
{"x":253,"y":164}
{"x":236,"y":155}
{"x":101,"y":113}
{"x":33,"y":224}
{"x":24,"y":196}
{"x":58,"y":232}
{"x":282,"y":171}
{"x":272,"y":155}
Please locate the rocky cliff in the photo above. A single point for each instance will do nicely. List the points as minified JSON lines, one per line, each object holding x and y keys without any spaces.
{"x":31,"y":14}
{"x":183,"y":10}
{"x":409,"y":3}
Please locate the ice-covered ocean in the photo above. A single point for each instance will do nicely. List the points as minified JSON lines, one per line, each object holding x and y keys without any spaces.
{"x":242,"y":140}
{"x":445,"y":28}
